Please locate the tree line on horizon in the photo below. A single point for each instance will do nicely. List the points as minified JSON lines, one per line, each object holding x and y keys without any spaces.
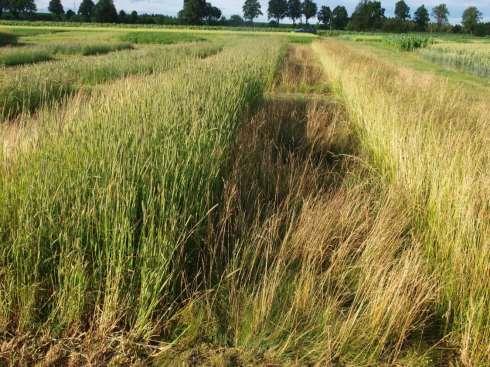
{"x":369,"y":15}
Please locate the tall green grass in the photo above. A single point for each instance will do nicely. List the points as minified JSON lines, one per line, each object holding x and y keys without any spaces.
{"x":33,"y":55}
{"x":30,"y":32}
{"x":88,"y":49}
{"x":7,"y":39}
{"x":27,"y":89}
{"x":101,"y":223}
{"x":164,"y":38}
{"x":16,"y":57}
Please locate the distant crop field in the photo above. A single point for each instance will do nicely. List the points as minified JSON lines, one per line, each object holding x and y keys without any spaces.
{"x":471,"y":57}
{"x":206,"y":196}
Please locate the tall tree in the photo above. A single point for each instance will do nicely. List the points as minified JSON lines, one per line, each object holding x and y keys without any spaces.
{"x":440,"y":13}
{"x":86,"y":9}
{"x":325,"y":16}
{"x":212,"y":13}
{"x":133,"y":17}
{"x":340,"y":17}
{"x":235,"y":20}
{"x":105,"y":12}
{"x":368,"y":15}
{"x":122,"y":17}
{"x":402,"y":10}
{"x":471,"y":17}
{"x":70,"y":14}
{"x":295,"y":10}
{"x":56,"y":8}
{"x":421,"y":18}
{"x":278,"y":9}
{"x":194,"y":11}
{"x":309,"y":9}
{"x":251,"y":9}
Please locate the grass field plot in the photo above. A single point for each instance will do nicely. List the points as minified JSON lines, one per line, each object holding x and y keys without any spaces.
{"x":221,"y":197}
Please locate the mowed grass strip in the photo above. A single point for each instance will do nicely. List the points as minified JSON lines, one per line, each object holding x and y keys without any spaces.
{"x":100,"y":226}
{"x":26,"y":89}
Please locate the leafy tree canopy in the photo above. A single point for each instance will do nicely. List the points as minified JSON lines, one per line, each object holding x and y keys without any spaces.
{"x":194,"y":11}
{"x":251,"y":9}
{"x":21,"y":7}
{"x":325,"y":16}
{"x":369,"y":15}
{"x":55,"y":7}
{"x":440,"y":13}
{"x":309,"y":9}
{"x":278,"y":9}
{"x":105,"y":11}
{"x":471,"y":17}
{"x":295,"y":10}
{"x":86,"y":9}
{"x":340,"y":17}
{"x":421,"y":18}
{"x":402,"y":10}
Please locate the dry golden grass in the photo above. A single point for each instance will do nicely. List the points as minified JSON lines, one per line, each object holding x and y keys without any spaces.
{"x":429,"y":140}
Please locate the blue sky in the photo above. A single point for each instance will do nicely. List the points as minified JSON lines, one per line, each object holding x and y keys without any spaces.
{"x":229,"y":7}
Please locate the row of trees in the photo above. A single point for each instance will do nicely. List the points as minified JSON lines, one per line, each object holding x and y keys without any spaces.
{"x":104,"y":11}
{"x":293,"y":9}
{"x":368,"y":15}
{"x":17,"y":7}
